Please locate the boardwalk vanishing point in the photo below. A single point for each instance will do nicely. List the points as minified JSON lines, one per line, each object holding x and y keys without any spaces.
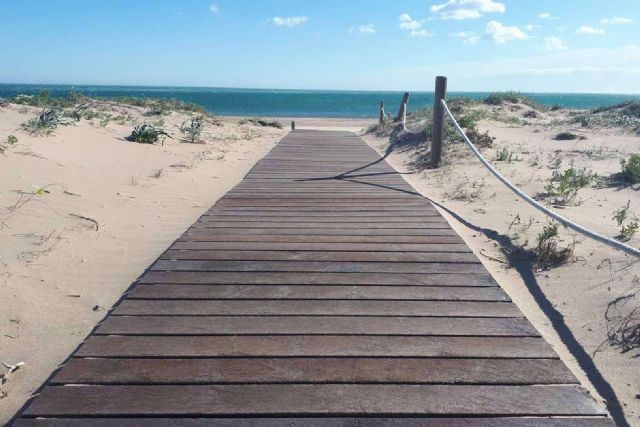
{"x":323,"y":290}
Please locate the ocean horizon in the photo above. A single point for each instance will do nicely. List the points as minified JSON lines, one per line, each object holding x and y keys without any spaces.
{"x":300,"y":103}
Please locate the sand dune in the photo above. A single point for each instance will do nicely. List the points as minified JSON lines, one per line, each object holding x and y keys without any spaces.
{"x":83,"y":212}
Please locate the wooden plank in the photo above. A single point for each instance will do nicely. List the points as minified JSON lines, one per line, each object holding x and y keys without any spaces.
{"x":320,"y":399}
{"x":203,"y":236}
{"x":314,"y":370}
{"x":323,"y":231}
{"x":315,"y":325}
{"x":288,"y":292}
{"x":318,"y":422}
{"x":231,"y":219}
{"x":288,"y":278}
{"x":319,"y":256}
{"x":316,"y":308}
{"x":390,"y":226}
{"x":320,"y":246}
{"x":312,"y":267}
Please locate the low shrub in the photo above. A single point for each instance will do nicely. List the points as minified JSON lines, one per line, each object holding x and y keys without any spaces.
{"x":46,"y":122}
{"x":530,"y":114}
{"x":78,"y":112}
{"x":630,"y":173}
{"x":620,"y":216}
{"x":512,"y":97}
{"x":12,"y":139}
{"x":193,"y":127}
{"x":147,"y":134}
{"x":568,"y":136}
{"x":479,"y":139}
{"x":505,"y":155}
{"x":548,"y":250}
{"x":563,"y":187}
{"x":263,"y":123}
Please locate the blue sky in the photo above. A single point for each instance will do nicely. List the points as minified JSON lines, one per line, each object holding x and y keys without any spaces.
{"x":481,"y":45}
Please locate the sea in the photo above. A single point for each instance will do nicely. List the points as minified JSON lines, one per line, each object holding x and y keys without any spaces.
{"x":299,"y":103}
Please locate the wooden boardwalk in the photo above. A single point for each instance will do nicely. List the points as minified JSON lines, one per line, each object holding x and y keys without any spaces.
{"x":317,"y":292}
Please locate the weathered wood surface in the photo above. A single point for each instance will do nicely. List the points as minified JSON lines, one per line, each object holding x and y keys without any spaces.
{"x":321,"y":291}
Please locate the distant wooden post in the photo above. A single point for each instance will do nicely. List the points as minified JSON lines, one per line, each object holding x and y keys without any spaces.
{"x":404,"y":117}
{"x":381,"y":119}
{"x":403,"y":106}
{"x":293,"y":125}
{"x":438,"y":121}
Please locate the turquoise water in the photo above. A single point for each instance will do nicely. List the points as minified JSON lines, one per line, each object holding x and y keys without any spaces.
{"x":299,"y":103}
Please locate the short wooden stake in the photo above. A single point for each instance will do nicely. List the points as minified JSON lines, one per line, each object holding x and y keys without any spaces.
{"x":403,"y":106}
{"x":381,"y":118}
{"x":438,"y":121}
{"x":293,"y":125}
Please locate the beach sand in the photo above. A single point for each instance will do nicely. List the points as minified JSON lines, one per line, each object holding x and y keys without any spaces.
{"x":61,"y":270}
{"x":568,"y":303}
{"x":83,"y":212}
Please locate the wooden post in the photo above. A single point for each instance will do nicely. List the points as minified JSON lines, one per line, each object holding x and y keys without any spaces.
{"x":404,"y":117}
{"x":293,"y":125}
{"x":381,"y":119}
{"x":403,"y":106}
{"x":438,"y":121}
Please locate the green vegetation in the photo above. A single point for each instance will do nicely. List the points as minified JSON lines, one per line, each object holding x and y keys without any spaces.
{"x":78,"y":112}
{"x":506,"y":155}
{"x":630,"y":173}
{"x":632,"y":225}
{"x":159,"y":104}
{"x":12,"y":139}
{"x":479,"y":139}
{"x":193,"y":127}
{"x":264,"y":123}
{"x":500,"y":98}
{"x":147,"y":134}
{"x":624,"y":115}
{"x":45,"y":123}
{"x":568,"y":136}
{"x":563,"y":187}
{"x":548,"y":250}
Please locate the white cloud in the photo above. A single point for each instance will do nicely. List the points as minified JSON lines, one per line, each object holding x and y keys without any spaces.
{"x":553,"y":43}
{"x":468,"y":37}
{"x":467,"y":9}
{"x":502,"y":33}
{"x":531,"y":27}
{"x":413,"y":26}
{"x":586,"y":29}
{"x":616,"y":20}
{"x":290,"y":21}
{"x":363,"y":29}
{"x":546,"y":15}
{"x":213,"y":8}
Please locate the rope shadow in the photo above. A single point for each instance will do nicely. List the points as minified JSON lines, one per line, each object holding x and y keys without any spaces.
{"x":525,"y":269}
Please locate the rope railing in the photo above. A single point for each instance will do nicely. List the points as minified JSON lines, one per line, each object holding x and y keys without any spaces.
{"x":561,"y":219}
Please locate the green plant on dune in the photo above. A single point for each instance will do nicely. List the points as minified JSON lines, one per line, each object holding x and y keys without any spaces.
{"x":630,"y":173}
{"x":512,"y":97}
{"x":78,"y":112}
{"x":506,"y":155}
{"x":147,"y":134}
{"x":193,"y":127}
{"x":46,"y":122}
{"x":12,"y":139}
{"x":563,"y":187}
{"x":620,"y":216}
{"x":548,"y":250}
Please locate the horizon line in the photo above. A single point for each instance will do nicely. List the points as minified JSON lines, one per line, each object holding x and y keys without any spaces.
{"x":309,"y":89}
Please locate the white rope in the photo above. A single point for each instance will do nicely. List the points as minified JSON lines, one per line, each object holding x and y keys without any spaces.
{"x":564,"y":221}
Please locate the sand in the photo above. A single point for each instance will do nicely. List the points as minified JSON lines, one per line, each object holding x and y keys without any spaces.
{"x":567,"y":304}
{"x":60,"y":270}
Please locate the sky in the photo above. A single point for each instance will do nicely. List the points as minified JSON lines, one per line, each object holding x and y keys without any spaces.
{"x":480,"y":45}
